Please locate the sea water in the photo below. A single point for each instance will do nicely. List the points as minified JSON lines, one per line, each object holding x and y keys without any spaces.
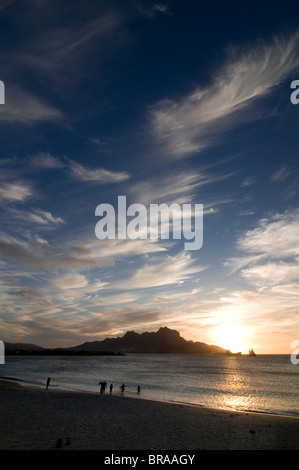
{"x":266,"y":383}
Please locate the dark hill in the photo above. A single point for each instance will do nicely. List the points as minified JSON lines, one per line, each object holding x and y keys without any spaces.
{"x":22,"y":347}
{"x":164,"y":341}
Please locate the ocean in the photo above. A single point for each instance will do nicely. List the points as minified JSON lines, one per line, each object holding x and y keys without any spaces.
{"x":265,"y":383}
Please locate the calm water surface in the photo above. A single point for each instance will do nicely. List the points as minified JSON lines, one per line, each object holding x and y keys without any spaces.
{"x":268,"y":384}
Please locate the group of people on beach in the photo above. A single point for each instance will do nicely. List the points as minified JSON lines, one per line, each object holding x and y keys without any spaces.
{"x":103,"y":387}
{"x":122,"y":388}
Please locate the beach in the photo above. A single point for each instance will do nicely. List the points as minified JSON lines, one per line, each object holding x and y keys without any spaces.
{"x":40,"y":419}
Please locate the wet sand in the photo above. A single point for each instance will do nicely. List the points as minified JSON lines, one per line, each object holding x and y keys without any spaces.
{"x":35,"y":419}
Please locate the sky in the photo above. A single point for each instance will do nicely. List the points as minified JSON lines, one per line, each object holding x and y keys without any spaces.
{"x":165,"y":102}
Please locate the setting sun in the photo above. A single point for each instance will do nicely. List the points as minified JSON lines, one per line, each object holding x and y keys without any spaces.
{"x":230,"y":337}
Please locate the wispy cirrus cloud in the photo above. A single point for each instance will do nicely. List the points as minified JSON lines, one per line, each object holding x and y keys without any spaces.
{"x":30,"y":295}
{"x":271,"y":252}
{"x":38,"y":253}
{"x":57,"y":55}
{"x":172,"y":270}
{"x":121,"y":249}
{"x":70,"y":281}
{"x":275,"y":236}
{"x":45,"y":160}
{"x":40,"y":217}
{"x":272,"y":273}
{"x":287,"y":175}
{"x":63,"y":54}
{"x":193,"y":122}
{"x":178,"y":187}
{"x":12,"y":249}
{"x":99,"y":175}
{"x":15,"y":192}
{"x":282,"y":173}
{"x":25,"y":108}
{"x":152,"y":11}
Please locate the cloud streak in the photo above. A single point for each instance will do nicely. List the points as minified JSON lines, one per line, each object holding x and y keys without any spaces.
{"x":15,"y":192}
{"x":275,"y":236}
{"x":41,"y":255}
{"x":98,"y":175}
{"x":63,"y":54}
{"x":172,"y":270}
{"x":177,"y":187}
{"x":25,"y":108}
{"x":192,"y":123}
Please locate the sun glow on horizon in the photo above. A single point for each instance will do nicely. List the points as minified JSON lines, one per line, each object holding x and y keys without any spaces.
{"x":231,"y":337}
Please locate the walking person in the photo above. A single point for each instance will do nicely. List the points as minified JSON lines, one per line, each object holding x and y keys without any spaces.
{"x":103,"y":387}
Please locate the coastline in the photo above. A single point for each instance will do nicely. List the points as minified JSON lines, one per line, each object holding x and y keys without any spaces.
{"x":36,"y":418}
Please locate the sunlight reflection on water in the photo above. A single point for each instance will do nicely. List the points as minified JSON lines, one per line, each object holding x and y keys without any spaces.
{"x":264,"y":383}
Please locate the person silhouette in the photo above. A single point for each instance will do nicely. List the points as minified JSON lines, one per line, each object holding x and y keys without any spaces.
{"x":103,"y":387}
{"x":111,"y":387}
{"x":48,"y":383}
{"x":122,"y":387}
{"x":138,"y":389}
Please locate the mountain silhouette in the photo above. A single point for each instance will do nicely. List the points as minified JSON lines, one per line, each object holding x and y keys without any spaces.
{"x":164,"y":341}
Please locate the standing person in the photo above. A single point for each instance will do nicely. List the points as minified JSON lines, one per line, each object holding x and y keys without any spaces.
{"x":48,"y":383}
{"x":138,"y":390}
{"x":111,"y":387}
{"x":122,"y":387}
{"x":103,"y":387}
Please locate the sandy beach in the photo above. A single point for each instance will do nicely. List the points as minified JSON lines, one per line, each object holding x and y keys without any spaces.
{"x":35,"y":419}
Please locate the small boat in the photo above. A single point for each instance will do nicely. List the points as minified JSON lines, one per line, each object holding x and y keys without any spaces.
{"x":251,"y":352}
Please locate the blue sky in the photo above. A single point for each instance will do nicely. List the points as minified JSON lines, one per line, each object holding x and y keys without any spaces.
{"x":163,"y":102}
